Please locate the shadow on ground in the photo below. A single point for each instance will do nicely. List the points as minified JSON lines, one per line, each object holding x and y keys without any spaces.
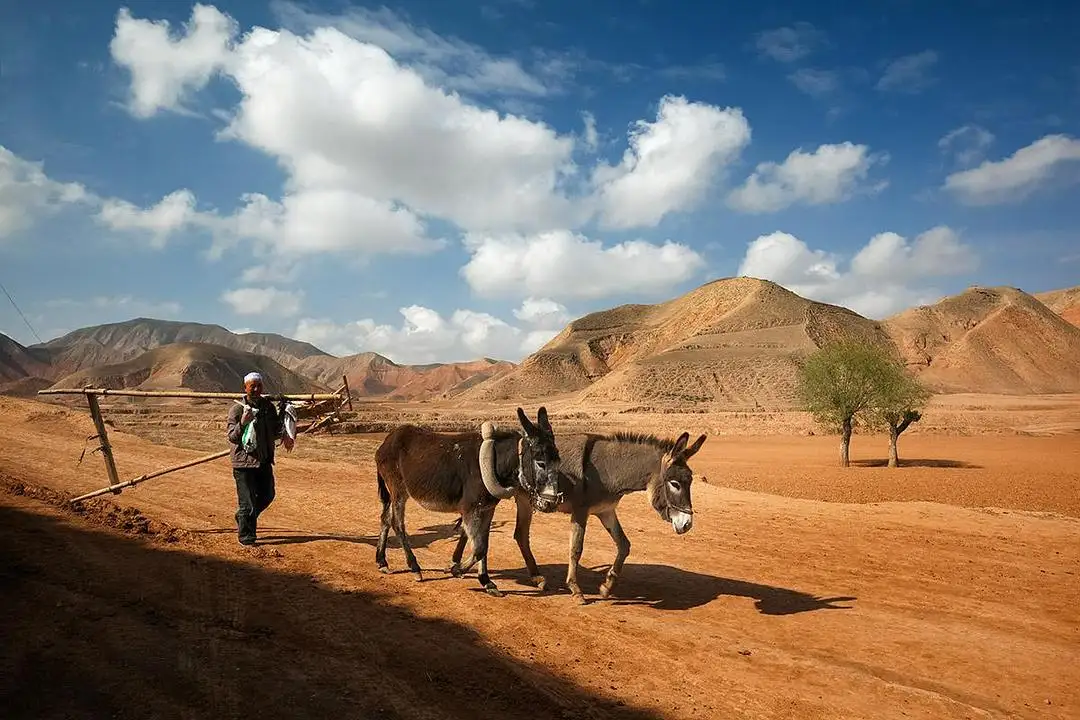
{"x":663,"y":587}
{"x":917,"y":462}
{"x":421,"y":537}
{"x":101,"y":624}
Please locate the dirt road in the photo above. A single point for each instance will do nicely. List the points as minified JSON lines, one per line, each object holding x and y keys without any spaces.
{"x":773,"y":606}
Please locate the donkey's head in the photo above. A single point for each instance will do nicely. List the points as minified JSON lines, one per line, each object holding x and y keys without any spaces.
{"x":670,"y":493}
{"x":537,"y":462}
{"x":538,"y":471}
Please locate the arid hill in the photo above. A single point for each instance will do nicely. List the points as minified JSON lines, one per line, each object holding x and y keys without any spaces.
{"x":191,"y":366}
{"x":1065,"y":302}
{"x":371,"y":374}
{"x":118,"y":342}
{"x":18,"y":362}
{"x":95,"y":351}
{"x":989,"y":340}
{"x":735,"y":340}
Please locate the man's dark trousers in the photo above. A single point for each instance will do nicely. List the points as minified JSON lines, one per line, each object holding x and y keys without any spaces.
{"x":254,"y":493}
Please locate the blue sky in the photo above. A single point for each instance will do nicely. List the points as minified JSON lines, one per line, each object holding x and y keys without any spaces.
{"x":440,"y":181}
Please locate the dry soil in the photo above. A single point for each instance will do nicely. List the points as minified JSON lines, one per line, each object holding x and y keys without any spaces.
{"x":947,"y":588}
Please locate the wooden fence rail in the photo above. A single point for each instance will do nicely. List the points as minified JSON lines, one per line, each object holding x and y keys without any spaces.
{"x":343,"y":396}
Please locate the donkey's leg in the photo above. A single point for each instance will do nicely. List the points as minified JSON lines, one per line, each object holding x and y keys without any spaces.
{"x":622,"y":549}
{"x":481,"y":552}
{"x":478,"y":525}
{"x":455,"y":561}
{"x":387,"y":520}
{"x":521,"y":535}
{"x":399,"y":528}
{"x":578,"y":521}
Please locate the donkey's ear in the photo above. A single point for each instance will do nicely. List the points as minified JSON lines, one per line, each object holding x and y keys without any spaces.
{"x":680,"y":445}
{"x":545,"y":424}
{"x":689,"y":452}
{"x":526,"y":423}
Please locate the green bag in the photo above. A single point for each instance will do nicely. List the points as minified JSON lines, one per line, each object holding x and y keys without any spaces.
{"x":249,"y":441}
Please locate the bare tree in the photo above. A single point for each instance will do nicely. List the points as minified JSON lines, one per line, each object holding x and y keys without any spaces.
{"x":839,"y":385}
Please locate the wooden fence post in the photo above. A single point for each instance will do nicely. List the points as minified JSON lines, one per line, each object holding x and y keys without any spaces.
{"x":103,"y":436}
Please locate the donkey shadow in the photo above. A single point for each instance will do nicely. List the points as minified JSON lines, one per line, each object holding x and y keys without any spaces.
{"x":418,"y":538}
{"x":662,"y":587}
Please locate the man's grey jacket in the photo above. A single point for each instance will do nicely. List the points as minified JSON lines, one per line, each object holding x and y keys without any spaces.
{"x":269,"y":424}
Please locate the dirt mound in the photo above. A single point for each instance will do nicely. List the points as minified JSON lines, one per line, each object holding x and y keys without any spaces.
{"x":989,"y":340}
{"x":191,"y":366}
{"x":119,"y":342}
{"x":372,"y":375}
{"x":1065,"y":302}
{"x":735,"y":340}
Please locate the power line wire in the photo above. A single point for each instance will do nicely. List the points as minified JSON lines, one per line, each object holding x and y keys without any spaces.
{"x":20,"y":313}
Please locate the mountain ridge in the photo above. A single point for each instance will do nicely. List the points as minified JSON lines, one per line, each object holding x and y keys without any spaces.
{"x":734,"y":340}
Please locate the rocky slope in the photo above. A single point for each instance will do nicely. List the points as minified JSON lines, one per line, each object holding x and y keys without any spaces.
{"x":1064,"y":302}
{"x":738,"y":342}
{"x":735,"y":340}
{"x":989,"y":340}
{"x":199,"y":367}
{"x":118,"y":342}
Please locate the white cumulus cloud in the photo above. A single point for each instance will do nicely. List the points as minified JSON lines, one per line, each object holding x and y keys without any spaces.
{"x":174,"y":212}
{"x":264,"y":301}
{"x":830,"y":174}
{"x":164,"y":69}
{"x":445,"y":61}
{"x":888,"y":274}
{"x":426,"y":336}
{"x":1018,"y":176}
{"x":670,"y":163}
{"x":27,"y":193}
{"x":564,"y":264}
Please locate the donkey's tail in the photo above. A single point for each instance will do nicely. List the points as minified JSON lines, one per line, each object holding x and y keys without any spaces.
{"x":384,"y":494}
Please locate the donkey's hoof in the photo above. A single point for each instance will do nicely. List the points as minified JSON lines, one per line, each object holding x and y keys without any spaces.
{"x":455,"y":570}
{"x":492,"y":590}
{"x":538,"y":581}
{"x":580,"y":599}
{"x":384,"y":569}
{"x":605,"y":589}
{"x":418,"y":576}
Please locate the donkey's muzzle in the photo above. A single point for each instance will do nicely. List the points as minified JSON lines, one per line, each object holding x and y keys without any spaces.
{"x":549,"y":497}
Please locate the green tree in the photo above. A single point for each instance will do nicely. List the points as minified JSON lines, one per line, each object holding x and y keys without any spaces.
{"x":899,"y":403}
{"x":839,"y":385}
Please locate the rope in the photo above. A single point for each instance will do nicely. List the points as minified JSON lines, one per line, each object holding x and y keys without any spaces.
{"x":20,"y":313}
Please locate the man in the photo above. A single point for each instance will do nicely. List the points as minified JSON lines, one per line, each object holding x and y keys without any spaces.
{"x":253,"y":456}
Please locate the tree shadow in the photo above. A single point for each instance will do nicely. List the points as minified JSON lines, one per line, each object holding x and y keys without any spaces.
{"x":154,"y":627}
{"x":663,"y":587}
{"x":917,"y":462}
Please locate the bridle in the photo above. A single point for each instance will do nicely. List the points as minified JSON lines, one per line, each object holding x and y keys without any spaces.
{"x":670,"y":506}
{"x":530,"y":487}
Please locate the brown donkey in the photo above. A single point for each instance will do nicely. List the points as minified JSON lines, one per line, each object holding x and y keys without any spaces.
{"x":596,"y":471}
{"x":441,"y":471}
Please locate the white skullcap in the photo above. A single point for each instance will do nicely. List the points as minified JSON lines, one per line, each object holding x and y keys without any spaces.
{"x":252,"y":376}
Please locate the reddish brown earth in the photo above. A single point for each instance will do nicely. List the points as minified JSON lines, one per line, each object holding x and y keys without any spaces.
{"x":1065,"y":302}
{"x":945,"y":589}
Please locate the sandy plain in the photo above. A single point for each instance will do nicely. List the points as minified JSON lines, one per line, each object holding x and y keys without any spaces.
{"x":947,"y":588}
